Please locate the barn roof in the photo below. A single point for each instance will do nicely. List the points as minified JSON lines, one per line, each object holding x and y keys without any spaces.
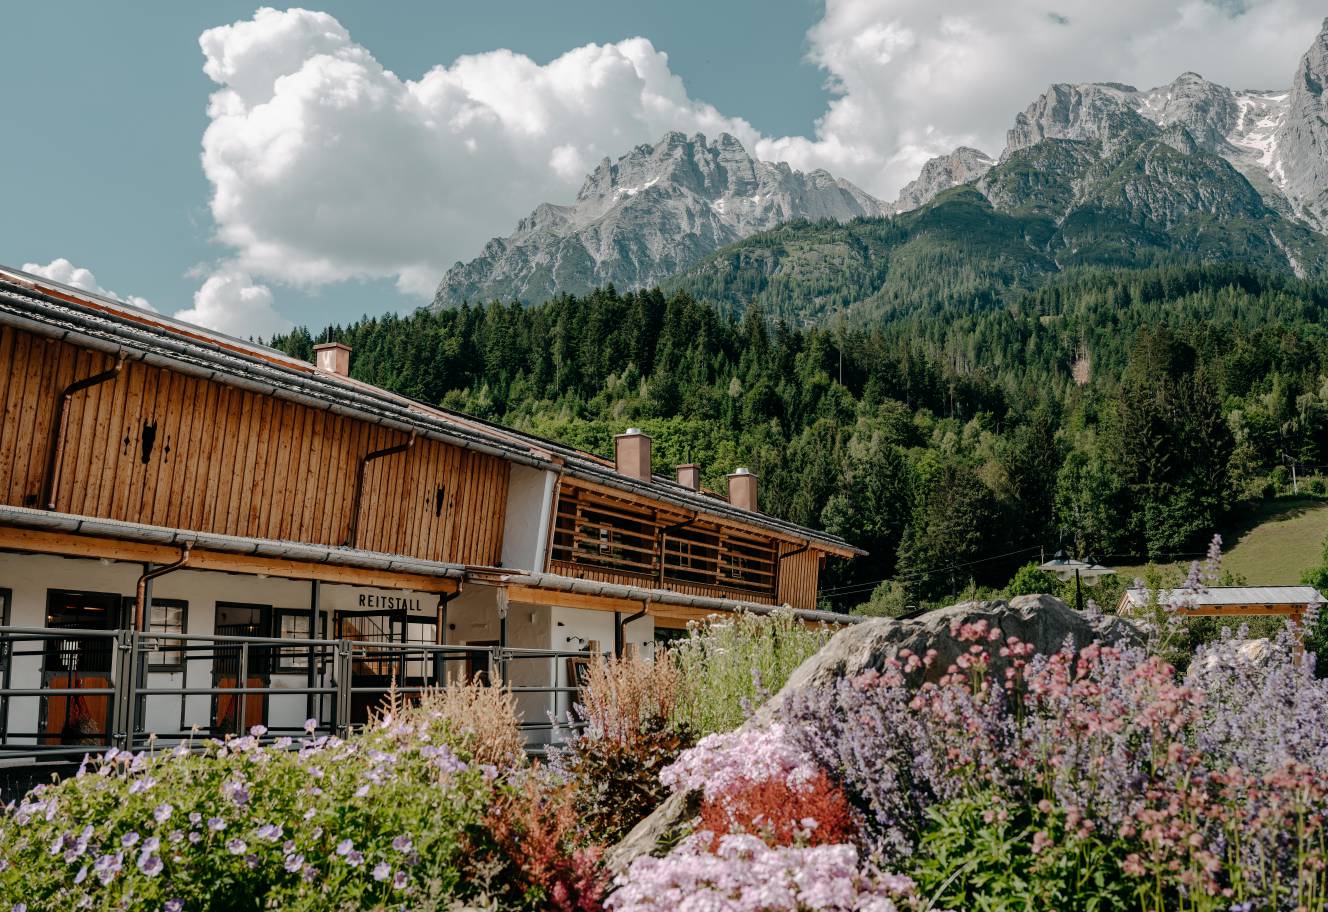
{"x":56,"y":310}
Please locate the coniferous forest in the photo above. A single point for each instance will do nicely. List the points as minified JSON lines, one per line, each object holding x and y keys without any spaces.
{"x":1116,"y":413}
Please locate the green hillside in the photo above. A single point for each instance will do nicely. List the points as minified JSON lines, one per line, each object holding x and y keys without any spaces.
{"x":1046,"y":211}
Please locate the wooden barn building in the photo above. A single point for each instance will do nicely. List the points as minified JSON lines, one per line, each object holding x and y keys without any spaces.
{"x":201,"y":534}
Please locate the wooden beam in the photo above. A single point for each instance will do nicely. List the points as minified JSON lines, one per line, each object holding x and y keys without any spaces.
{"x":558,"y":598}
{"x":1280,"y":610}
{"x":88,"y":546}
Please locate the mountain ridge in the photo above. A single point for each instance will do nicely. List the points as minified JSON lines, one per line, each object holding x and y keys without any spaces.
{"x":654,"y":211}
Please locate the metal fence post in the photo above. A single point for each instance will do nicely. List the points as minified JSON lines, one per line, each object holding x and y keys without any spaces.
{"x":119,"y":724}
{"x":131,"y":689}
{"x":344,"y":695}
{"x":242,"y":682}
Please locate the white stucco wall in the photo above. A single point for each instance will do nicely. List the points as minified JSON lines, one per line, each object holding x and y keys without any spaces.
{"x":525,"y":502}
{"x":29,"y":577}
{"x":472,"y":617}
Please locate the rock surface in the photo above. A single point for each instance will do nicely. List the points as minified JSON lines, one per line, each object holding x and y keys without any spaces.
{"x":1043,"y":620}
{"x":653,"y":212}
{"x":1302,"y":140}
{"x":941,"y":173}
{"x":1046,"y":622}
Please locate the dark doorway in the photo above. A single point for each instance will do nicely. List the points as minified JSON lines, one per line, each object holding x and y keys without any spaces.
{"x":77,"y":663}
{"x":379,"y":669}
{"x":243,"y":620}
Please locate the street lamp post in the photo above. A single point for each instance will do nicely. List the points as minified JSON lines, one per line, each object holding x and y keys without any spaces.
{"x":1085,"y":573}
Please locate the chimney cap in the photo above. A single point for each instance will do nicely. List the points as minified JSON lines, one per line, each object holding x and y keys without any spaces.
{"x":324,"y":345}
{"x":632,"y":432}
{"x":742,"y":470}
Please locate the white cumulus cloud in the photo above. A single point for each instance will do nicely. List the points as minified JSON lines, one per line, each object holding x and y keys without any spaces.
{"x":326,"y":166}
{"x":62,"y":271}
{"x":231,"y":302}
{"x":915,"y":78}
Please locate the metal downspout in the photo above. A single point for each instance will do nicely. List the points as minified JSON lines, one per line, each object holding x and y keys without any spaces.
{"x":57,"y":446}
{"x":619,"y":637}
{"x":140,"y":591}
{"x":359,"y":483}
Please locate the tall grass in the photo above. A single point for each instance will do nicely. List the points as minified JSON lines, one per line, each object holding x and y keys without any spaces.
{"x":731,"y":665}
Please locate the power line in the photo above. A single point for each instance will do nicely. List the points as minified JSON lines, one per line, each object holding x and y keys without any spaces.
{"x":922,"y":574}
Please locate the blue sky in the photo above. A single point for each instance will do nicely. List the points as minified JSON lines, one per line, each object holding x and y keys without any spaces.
{"x":336,"y":161}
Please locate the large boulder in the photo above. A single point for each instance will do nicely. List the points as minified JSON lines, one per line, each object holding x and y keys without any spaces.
{"x":1046,"y":622}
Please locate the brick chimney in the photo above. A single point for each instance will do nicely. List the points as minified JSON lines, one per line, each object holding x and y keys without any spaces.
{"x":742,"y":489}
{"x":689,"y":476}
{"x":333,"y":358}
{"x":631,"y":452}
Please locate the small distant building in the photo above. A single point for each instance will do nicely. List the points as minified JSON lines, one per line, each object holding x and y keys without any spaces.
{"x":1233,"y":601}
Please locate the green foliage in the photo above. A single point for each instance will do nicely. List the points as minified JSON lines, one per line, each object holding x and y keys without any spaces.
{"x":1029,"y":580}
{"x":394,"y":813}
{"x":1117,"y":412}
{"x":890,"y":599}
{"x":729,"y":666}
{"x":985,"y":853}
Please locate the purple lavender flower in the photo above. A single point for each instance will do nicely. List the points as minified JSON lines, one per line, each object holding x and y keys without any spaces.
{"x":402,"y":843}
{"x":236,"y":791}
{"x":382,"y":871}
{"x":149,"y":864}
{"x":128,"y":840}
{"x":258,"y":731}
{"x":294,"y":863}
{"x":162,"y":813}
{"x":216,"y":824}
{"x":399,"y":880}
{"x":354,"y":859}
{"x":173,"y":905}
{"x":237,"y":846}
{"x":270,"y":832}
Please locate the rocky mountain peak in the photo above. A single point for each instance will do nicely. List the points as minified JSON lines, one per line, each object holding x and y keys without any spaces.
{"x":1207,"y":110}
{"x":1097,"y":113}
{"x":941,"y":173}
{"x":638,"y":219}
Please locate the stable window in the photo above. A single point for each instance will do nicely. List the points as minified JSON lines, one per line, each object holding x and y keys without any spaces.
{"x":168,"y":616}
{"x":295,"y":624}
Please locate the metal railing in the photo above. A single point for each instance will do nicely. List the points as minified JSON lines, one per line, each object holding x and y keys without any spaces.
{"x":218,"y":685}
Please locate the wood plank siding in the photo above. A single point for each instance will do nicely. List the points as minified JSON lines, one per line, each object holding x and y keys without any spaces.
{"x":634,"y":541}
{"x":161,"y":447}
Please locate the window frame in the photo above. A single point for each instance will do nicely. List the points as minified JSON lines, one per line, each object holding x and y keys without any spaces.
{"x":169,"y":667}
{"x":280,"y":661}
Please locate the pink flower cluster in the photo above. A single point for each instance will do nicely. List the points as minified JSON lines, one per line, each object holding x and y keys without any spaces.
{"x":723,"y":764}
{"x":746,"y":875}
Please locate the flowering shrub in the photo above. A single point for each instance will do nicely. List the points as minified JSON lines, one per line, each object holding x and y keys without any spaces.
{"x":1198,"y":794}
{"x":745,"y":875}
{"x":762,"y":783}
{"x":539,"y":837}
{"x":628,"y":737}
{"x":395,"y":816}
{"x":730,"y":666}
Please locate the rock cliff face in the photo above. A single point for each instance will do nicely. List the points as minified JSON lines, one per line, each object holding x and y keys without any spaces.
{"x":941,"y":173}
{"x":651,"y":213}
{"x":1301,"y":150}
